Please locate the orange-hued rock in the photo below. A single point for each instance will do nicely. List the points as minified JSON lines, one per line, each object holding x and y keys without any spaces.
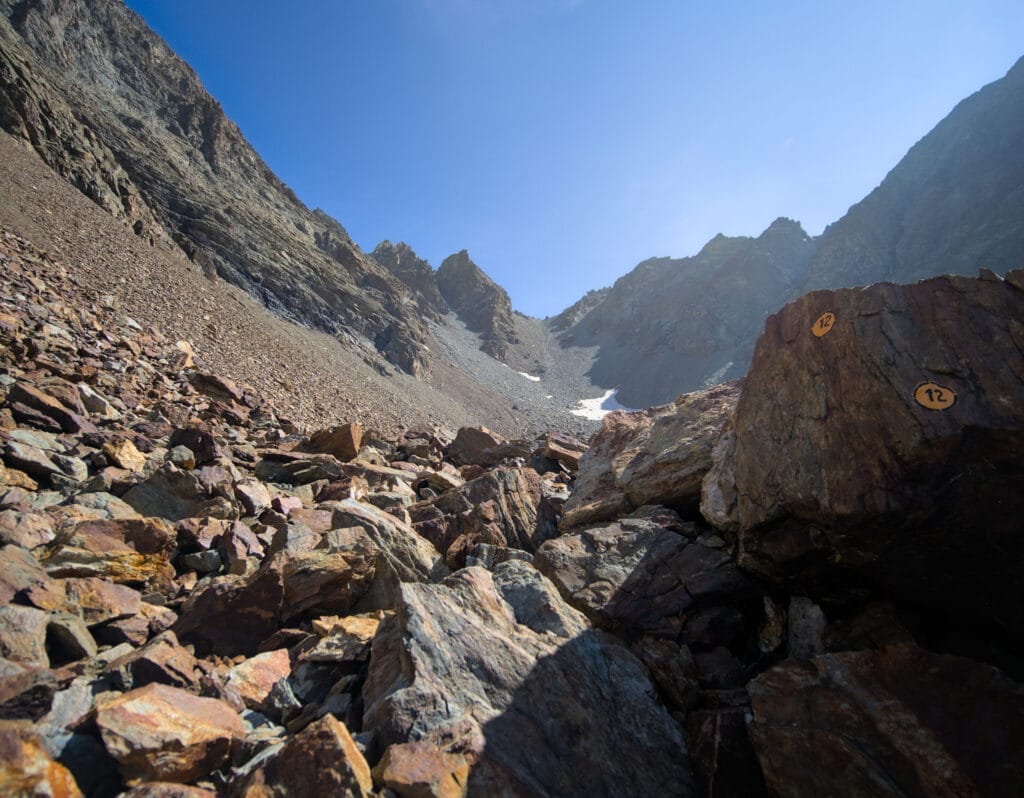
{"x":27,"y":770}
{"x":255,"y":678}
{"x":161,"y":733}
{"x":422,"y":770}
{"x":322,"y":759}
{"x":124,"y":454}
{"x":342,"y":441}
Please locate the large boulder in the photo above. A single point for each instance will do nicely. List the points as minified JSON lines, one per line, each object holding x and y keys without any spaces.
{"x":900,"y":721}
{"x":654,"y":456}
{"x":879,"y":443}
{"x":634,"y":576}
{"x":539,"y":704}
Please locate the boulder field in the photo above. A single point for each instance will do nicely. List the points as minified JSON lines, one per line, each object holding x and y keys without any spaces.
{"x":805,"y":583}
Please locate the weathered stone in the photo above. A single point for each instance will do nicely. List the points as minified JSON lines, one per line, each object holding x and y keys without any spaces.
{"x":342,"y":441}
{"x":32,"y":461}
{"x":182,"y":457}
{"x":172,"y":494}
{"x":321,"y":760}
{"x":638,"y":576}
{"x":162,"y":661}
{"x":343,"y":639}
{"x":473,"y":445}
{"x":68,"y":639}
{"x":29,"y":396}
{"x":95,"y":403}
{"x":564,"y":449}
{"x":412,"y":557}
{"x":199,"y":441}
{"x":421,"y":770}
{"x":166,"y":789}
{"x":26,"y":769}
{"x":844,"y":482}
{"x":538,"y":713}
{"x":215,"y":386}
{"x":27,"y":530}
{"x":329,"y":581}
{"x":161,"y":733}
{"x":504,"y":507}
{"x":254,"y":679}
{"x":673,"y":670}
{"x":123,"y":454}
{"x":655,"y":456}
{"x":12,"y":477}
{"x":253,"y":496}
{"x":22,"y":578}
{"x":23,"y":636}
{"x":889,"y":722}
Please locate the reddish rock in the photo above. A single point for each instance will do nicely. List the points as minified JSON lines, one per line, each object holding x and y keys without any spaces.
{"x":216,"y":387}
{"x":166,"y":789}
{"x":27,"y":530}
{"x":161,"y":733}
{"x":26,"y":769}
{"x":422,"y":770}
{"x":162,"y":660}
{"x":322,"y":759}
{"x":23,"y":578}
{"x":342,"y":441}
{"x":33,"y":398}
{"x":254,"y":678}
{"x":472,"y":446}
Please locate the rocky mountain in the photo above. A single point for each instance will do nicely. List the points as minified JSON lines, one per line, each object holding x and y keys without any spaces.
{"x":480,"y":302}
{"x":805,"y":583}
{"x":671,"y":325}
{"x":952,"y":205}
{"x":103,"y":100}
{"x":416,"y":273}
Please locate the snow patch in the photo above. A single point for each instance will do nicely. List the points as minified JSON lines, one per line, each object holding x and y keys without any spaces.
{"x":530,"y":377}
{"x":597,"y":408}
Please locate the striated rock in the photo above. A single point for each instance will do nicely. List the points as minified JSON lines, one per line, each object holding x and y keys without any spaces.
{"x":29,"y":396}
{"x":342,"y":441}
{"x":889,"y":722}
{"x":564,"y":449}
{"x":635,"y":575}
{"x":97,"y":549}
{"x":322,"y":759}
{"x":421,"y":770}
{"x":416,"y":273}
{"x":26,"y":769}
{"x":503,"y":507}
{"x":844,"y":481}
{"x":655,"y":456}
{"x":534,"y":712}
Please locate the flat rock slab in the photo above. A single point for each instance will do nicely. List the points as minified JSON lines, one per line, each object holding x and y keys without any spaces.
{"x":534,"y":711}
{"x":161,"y":733}
{"x":900,"y":721}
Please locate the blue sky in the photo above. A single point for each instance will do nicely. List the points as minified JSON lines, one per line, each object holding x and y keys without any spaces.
{"x":563,"y":141}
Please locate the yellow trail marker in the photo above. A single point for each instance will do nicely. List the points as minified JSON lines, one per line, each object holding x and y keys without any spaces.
{"x":823,"y":326}
{"x":934,"y":396}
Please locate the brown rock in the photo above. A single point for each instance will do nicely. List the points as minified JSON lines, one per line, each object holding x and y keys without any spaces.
{"x":16,"y":479}
{"x":99,"y":600}
{"x":843,"y":481}
{"x":165,"y":789}
{"x":342,"y":441}
{"x":216,"y":387}
{"x":123,"y":454}
{"x":23,"y":636}
{"x":473,"y":445}
{"x":162,"y":661}
{"x":27,"y":530}
{"x":29,"y":396}
{"x":421,"y":770}
{"x":161,"y":733}
{"x":655,"y":456}
{"x":322,"y":759}
{"x":891,"y":722}
{"x":23,"y":578}
{"x":254,"y":678}
{"x":27,"y":770}
{"x":563,"y":448}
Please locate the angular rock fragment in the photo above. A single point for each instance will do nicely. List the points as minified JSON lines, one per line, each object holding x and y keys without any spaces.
{"x":162,"y":733}
{"x":421,"y":770}
{"x":27,"y":769}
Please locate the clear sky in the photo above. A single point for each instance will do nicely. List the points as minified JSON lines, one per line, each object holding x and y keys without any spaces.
{"x":563,"y":141}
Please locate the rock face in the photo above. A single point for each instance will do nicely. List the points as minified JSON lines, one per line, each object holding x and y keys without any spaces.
{"x":657,"y":456}
{"x":845,"y":476}
{"x":950,"y":206}
{"x":150,"y":145}
{"x":480,"y":302}
{"x":416,"y":273}
{"x":849,"y":733}
{"x":469,"y":668}
{"x":672,"y":325}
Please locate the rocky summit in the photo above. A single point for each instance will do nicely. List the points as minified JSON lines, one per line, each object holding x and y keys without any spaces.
{"x":378,"y":555}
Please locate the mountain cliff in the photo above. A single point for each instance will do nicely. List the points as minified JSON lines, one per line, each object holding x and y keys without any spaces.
{"x":953,"y":204}
{"x":479,"y":301}
{"x":672,"y":324}
{"x":106,"y":103}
